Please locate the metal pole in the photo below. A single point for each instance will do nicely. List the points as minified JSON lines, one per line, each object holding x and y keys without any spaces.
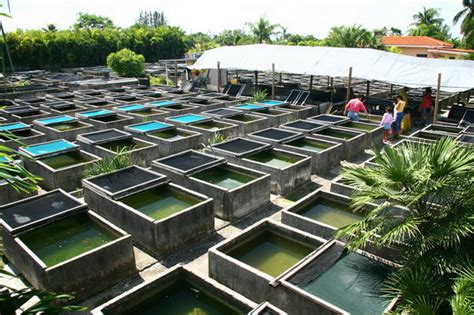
{"x":349,"y":85}
{"x":218,"y":77}
{"x":176,"y":73}
{"x":273,"y":81}
{"x":436,"y":109}
{"x":310,"y":83}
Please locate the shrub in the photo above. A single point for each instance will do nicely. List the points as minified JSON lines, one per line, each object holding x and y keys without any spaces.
{"x":126,"y":63}
{"x":258,"y":96}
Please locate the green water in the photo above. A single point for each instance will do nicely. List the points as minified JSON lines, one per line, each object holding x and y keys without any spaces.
{"x":335,"y":133}
{"x":171,"y":134}
{"x":359,"y":126}
{"x":273,"y":159}
{"x":429,"y":136}
{"x":242,"y":118}
{"x":224,"y":177}
{"x":210,"y":125}
{"x":309,"y":145}
{"x":119,"y":145}
{"x":160,"y":202}
{"x":67,"y":238}
{"x":271,"y":253}
{"x":330,"y":212}
{"x":65,"y":160}
{"x":182,"y":298}
{"x":20,"y":134}
{"x":67,"y":126}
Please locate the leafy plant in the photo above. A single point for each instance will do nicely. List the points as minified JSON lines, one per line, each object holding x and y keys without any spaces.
{"x":258,"y":96}
{"x":160,"y":81}
{"x":126,"y":63}
{"x":425,"y":209}
{"x":121,"y":160}
{"x":467,"y":24}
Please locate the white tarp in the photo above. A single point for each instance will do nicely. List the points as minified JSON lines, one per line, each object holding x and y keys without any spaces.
{"x":367,"y":64}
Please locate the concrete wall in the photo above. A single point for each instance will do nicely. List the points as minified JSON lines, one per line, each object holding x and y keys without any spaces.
{"x":69,"y":135}
{"x":36,"y":137}
{"x":159,"y":237}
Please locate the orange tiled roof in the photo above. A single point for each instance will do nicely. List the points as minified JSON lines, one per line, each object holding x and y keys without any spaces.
{"x":414,"y":41}
{"x":455,"y":50}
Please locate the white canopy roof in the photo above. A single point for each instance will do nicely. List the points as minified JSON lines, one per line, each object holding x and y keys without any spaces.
{"x":367,"y":64}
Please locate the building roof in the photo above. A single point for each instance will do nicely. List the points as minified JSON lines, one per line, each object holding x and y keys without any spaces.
{"x":420,"y":41}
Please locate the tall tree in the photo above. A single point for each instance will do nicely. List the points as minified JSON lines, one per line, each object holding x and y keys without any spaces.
{"x":151,"y":19}
{"x":428,"y":23}
{"x":262,"y":30}
{"x":50,"y":28}
{"x":467,"y":24}
{"x":91,"y":21}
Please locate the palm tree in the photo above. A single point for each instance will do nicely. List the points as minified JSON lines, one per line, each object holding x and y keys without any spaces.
{"x":428,"y":16}
{"x":351,"y":36}
{"x":425,"y":209}
{"x":263,"y":30}
{"x":50,"y":28}
{"x":467,"y":24}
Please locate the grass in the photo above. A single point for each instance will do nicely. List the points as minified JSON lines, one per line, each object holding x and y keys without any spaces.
{"x":121,"y":160}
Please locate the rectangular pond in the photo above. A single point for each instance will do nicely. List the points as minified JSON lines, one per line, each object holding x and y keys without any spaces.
{"x":330,"y":119}
{"x":62,"y":127}
{"x":353,"y":142}
{"x":274,"y":135}
{"x":348,"y":281}
{"x":306,"y":126}
{"x":187,"y":119}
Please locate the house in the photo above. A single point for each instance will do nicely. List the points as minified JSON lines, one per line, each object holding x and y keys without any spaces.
{"x":425,"y":47}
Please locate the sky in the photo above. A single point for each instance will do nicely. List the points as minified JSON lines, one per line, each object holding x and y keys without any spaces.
{"x":314,"y":17}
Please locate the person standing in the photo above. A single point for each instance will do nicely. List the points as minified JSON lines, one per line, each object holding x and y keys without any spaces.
{"x":425,"y":106}
{"x":404,"y":95}
{"x":399,"y":113}
{"x":386,"y":122}
{"x":353,"y":107}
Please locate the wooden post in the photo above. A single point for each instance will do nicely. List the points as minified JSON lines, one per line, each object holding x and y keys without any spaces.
{"x":368,"y":89}
{"x":256,"y":80}
{"x":281,"y":79}
{"x":166,"y":73}
{"x":329,"y":81}
{"x":436,"y":109}
{"x":349,"y":85}
{"x":176,"y":73}
{"x":391,"y":90}
{"x":237,"y":75}
{"x":218,"y":77}
{"x":273,"y":81}
{"x":310,"y":83}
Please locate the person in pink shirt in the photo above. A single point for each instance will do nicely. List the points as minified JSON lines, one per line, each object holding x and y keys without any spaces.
{"x":353,"y":107}
{"x":386,"y":122}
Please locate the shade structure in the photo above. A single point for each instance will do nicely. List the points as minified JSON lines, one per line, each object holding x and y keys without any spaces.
{"x":366,"y":63}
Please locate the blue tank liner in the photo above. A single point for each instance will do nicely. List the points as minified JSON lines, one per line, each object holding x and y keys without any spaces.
{"x":249,"y":106}
{"x":96,"y":113}
{"x":55,"y":120}
{"x":188,"y":119}
{"x":132,"y":108}
{"x":14,"y":126}
{"x":163,"y":103}
{"x":48,"y":148}
{"x":272,"y":102}
{"x":150,"y":126}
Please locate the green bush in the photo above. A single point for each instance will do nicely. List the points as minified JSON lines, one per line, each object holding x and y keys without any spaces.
{"x":126,"y":63}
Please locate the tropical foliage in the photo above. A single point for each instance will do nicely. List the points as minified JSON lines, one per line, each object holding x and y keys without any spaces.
{"x":425,"y":209}
{"x":428,"y":23}
{"x":151,"y":19}
{"x":90,"y":21}
{"x":351,"y":36}
{"x":126,"y":63}
{"x":120,"y":160}
{"x":467,"y":23}
{"x":262,"y":30}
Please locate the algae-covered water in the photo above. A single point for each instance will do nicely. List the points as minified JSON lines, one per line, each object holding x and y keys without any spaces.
{"x":224,"y":177}
{"x":330,"y":212}
{"x":359,"y":126}
{"x":170,"y":134}
{"x":65,"y":160}
{"x":271,"y":253}
{"x":182,"y":298}
{"x":118,"y":145}
{"x":67,"y":126}
{"x":273,"y":159}
{"x":309,"y":145}
{"x":160,"y":202}
{"x":67,"y":238}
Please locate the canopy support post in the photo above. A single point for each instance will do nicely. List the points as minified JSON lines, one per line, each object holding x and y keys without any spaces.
{"x":166,"y":73}
{"x":281,"y":78}
{"x":332,"y":89}
{"x":310,"y":83}
{"x":256,"y":80}
{"x":368,"y":89}
{"x":391,"y":90}
{"x":436,"y":109}
{"x":237,"y":75}
{"x":273,"y":81}
{"x":176,"y":73}
{"x":349,"y":85}
{"x":218,"y":77}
